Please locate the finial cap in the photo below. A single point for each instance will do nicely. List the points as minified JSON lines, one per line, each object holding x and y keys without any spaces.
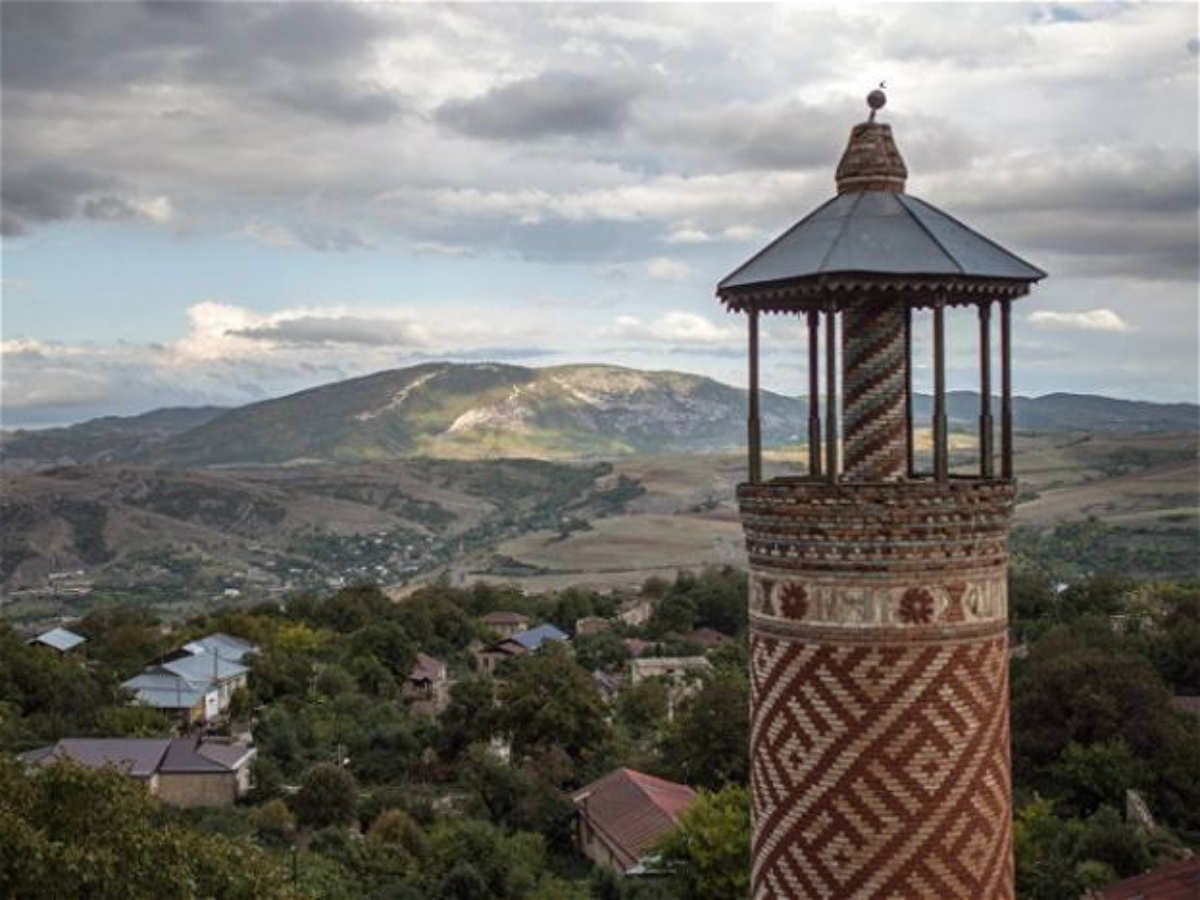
{"x":871,"y":161}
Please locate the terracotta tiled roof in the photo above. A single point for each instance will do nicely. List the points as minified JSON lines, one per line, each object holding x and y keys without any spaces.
{"x":630,"y":810}
{"x":1176,"y":881}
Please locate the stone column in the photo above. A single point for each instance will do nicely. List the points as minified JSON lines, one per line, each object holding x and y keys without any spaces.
{"x":874,"y":377}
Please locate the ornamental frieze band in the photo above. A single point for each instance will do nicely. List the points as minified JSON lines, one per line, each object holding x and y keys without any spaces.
{"x":983,"y":598}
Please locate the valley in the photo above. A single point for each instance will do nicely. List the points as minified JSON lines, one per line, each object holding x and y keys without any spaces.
{"x":544,"y":478}
{"x":181,"y":540}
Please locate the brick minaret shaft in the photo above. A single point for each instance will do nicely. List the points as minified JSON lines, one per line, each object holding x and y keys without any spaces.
{"x":879,"y":654}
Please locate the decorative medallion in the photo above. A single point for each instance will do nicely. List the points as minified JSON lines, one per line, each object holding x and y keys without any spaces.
{"x":793,"y":601}
{"x":916,"y":606}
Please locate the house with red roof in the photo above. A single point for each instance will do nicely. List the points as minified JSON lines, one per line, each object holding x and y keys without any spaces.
{"x":1174,"y":881}
{"x":620,"y":816}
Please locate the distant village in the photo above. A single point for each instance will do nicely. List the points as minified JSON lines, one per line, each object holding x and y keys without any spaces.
{"x":204,"y":753}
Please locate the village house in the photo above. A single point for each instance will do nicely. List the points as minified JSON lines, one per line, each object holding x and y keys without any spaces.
{"x":620,"y":816}
{"x":518,"y":645}
{"x":591,"y":625}
{"x":636,"y":612}
{"x":61,"y":640}
{"x":196,"y":682}
{"x":224,"y":646}
{"x":428,"y":685}
{"x":506,"y":624}
{"x":192,"y":703}
{"x":184,"y":772}
{"x":1174,"y":881}
{"x":683,"y":675}
{"x":681,"y":669}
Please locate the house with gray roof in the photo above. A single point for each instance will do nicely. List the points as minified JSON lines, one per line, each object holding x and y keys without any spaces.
{"x":182,"y":771}
{"x":227,"y":676}
{"x":196,"y":683}
{"x":224,"y":646}
{"x":192,"y":702}
{"x":61,"y":639}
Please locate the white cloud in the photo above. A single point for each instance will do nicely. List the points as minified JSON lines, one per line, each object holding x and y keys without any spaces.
{"x":663,"y":268}
{"x":156,"y":209}
{"x":675,"y":327}
{"x":1085,"y":320}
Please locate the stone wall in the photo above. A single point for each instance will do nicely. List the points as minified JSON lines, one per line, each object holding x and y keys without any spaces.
{"x":188,"y":789}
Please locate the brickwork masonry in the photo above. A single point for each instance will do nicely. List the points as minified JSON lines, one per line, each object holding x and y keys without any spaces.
{"x":879,"y":684}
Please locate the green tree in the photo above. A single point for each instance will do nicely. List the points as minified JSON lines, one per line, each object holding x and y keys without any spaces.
{"x":1087,"y":777}
{"x":1101,"y":594}
{"x":470,"y":717}
{"x":132,"y":721}
{"x":524,"y":797}
{"x":328,"y":795}
{"x":75,"y":832}
{"x":642,"y":707}
{"x":387,"y":642}
{"x":709,"y":854}
{"x":708,"y":744}
{"x":548,"y":700}
{"x":604,"y":650}
{"x":1081,"y":683}
{"x":123,"y":638}
{"x":1044,"y":847}
{"x":463,"y":882}
{"x":273,"y":822}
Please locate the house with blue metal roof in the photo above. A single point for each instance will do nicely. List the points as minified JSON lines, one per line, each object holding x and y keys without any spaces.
{"x":521,"y":643}
{"x":533,"y":638}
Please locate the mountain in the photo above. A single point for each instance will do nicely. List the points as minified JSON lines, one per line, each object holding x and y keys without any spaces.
{"x":459,"y":412}
{"x":107,"y":439}
{"x":475,"y":411}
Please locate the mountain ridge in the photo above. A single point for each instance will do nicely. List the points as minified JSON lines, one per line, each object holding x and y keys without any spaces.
{"x":487,"y":410}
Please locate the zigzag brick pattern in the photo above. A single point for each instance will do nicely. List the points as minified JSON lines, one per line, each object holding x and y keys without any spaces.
{"x":880,"y":771}
{"x":873,"y":379}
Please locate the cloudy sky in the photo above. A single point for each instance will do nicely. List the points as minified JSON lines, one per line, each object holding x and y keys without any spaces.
{"x":218,"y":202}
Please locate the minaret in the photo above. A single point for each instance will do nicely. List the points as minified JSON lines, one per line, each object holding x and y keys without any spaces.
{"x":878,"y":603}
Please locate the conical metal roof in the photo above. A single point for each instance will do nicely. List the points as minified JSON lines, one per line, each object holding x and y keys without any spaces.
{"x":876,"y":232}
{"x":874,"y":241}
